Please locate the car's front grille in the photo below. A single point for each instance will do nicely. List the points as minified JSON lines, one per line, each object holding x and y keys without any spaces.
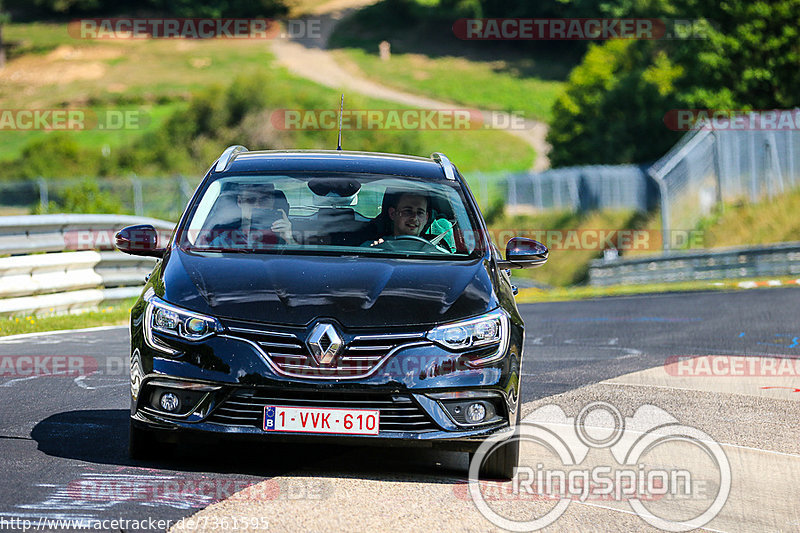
{"x":245,"y":407}
{"x":359,"y":357}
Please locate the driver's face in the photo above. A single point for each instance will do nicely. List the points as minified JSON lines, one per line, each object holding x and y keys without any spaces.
{"x":410,"y":215}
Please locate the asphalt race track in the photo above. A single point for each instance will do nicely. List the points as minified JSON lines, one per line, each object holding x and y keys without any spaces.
{"x":64,"y":437}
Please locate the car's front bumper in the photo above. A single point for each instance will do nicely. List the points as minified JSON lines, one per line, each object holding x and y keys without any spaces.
{"x":405,"y":418}
{"x":231,"y":379}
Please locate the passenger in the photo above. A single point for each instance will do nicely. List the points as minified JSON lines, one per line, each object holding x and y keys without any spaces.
{"x":260,"y":221}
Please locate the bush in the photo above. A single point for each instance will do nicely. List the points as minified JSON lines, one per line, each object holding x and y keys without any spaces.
{"x":85,"y":197}
{"x":613,"y":108}
{"x":55,"y":155}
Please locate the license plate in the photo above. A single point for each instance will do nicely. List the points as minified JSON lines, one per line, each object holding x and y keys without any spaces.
{"x":321,"y":420}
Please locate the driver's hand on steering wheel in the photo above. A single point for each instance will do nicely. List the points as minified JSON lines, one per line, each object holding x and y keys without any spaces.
{"x":376,"y":243}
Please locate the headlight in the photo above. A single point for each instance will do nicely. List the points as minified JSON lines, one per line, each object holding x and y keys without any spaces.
{"x":184,"y":324}
{"x":487,"y":330}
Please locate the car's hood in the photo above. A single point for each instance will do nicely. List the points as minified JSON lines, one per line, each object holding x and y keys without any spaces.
{"x":357,"y":291}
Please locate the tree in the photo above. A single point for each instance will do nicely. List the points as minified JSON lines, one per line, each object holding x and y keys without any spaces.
{"x":4,"y":19}
{"x":614,"y":106}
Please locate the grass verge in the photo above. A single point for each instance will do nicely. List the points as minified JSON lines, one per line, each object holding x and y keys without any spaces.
{"x":478,"y":84}
{"x":568,"y":265}
{"x":427,"y":58}
{"x":111,"y":315}
{"x":57,"y":71}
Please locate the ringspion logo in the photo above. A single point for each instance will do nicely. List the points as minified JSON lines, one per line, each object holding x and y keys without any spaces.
{"x":673,"y":476}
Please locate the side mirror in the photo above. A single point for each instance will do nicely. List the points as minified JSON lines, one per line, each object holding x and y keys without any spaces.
{"x":141,"y":239}
{"x":524,"y":253}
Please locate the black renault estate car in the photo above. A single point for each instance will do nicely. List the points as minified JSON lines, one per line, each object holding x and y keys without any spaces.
{"x":329,"y":295}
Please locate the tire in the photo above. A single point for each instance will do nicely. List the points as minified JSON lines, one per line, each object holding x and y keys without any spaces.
{"x":503,"y":459}
{"x":141,"y":443}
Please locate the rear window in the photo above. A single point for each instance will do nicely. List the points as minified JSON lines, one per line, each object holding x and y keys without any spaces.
{"x":343,"y":213}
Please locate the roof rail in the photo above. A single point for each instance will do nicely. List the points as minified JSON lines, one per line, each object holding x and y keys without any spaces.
{"x":447,"y":166}
{"x":228,"y":156}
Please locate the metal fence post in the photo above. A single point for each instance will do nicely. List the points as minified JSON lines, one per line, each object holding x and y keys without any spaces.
{"x":512,"y":191}
{"x":662,"y":189}
{"x":186,"y":188}
{"x":537,"y":190}
{"x":138,"y":200}
{"x":772,"y":145}
{"x":753,"y":172}
{"x":44,"y":199}
{"x":557,"y":193}
{"x":715,"y":147}
{"x":790,"y":158}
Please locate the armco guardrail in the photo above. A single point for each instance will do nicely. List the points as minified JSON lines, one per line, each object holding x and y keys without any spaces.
{"x":68,"y":280}
{"x":723,"y":263}
{"x":55,"y":233}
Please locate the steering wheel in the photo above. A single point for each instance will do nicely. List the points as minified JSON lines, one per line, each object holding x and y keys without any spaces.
{"x":412,"y":243}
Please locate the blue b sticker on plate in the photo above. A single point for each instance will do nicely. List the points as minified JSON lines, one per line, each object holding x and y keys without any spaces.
{"x":269,"y":418}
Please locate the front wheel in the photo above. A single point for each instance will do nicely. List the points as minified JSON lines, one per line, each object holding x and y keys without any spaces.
{"x":503,"y":459}
{"x":141,"y":443}
{"x":501,"y":463}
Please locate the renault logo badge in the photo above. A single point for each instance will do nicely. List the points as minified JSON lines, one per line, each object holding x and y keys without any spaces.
{"x":324,"y":343}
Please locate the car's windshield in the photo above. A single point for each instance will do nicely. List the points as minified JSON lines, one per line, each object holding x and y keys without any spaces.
{"x":339,"y":213}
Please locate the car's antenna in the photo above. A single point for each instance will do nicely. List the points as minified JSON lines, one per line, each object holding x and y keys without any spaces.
{"x":341,"y":110}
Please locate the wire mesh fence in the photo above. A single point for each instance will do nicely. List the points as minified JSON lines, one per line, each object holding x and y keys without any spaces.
{"x":704,"y":169}
{"x":163,"y":198}
{"x":582,"y":189}
{"x":710,"y":167}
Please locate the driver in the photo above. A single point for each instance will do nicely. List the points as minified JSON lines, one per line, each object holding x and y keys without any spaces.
{"x":408,"y":216}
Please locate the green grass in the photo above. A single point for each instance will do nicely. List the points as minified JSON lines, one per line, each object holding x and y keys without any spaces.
{"x":476,"y":84}
{"x":566,"y":265}
{"x":36,"y":38}
{"x":160,"y":75}
{"x":564,"y":294}
{"x":736,"y":224}
{"x":741,"y":224}
{"x":13,"y":142}
{"x":107,"y":316}
{"x":428,"y":59}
